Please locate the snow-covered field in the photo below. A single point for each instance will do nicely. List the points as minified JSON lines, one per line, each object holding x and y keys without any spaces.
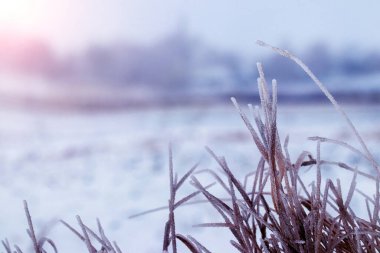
{"x":112,"y":165}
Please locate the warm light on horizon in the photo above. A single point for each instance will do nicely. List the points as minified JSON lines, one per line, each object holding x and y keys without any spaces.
{"x":17,"y":11}
{"x":42,"y":20}
{"x":70,"y":25}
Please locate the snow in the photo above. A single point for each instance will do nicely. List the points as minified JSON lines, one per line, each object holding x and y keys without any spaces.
{"x":112,"y":165}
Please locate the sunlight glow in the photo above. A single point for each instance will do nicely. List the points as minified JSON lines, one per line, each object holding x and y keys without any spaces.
{"x":15,"y":11}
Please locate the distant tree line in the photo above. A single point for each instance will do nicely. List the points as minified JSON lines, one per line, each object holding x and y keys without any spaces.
{"x":177,"y":62}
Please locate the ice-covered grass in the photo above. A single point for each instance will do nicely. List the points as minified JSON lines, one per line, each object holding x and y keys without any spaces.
{"x":114,"y":165}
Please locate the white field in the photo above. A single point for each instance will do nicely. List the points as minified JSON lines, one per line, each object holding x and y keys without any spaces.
{"x":113,"y":165}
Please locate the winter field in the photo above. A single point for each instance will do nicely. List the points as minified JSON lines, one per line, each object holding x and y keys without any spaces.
{"x":113,"y":165}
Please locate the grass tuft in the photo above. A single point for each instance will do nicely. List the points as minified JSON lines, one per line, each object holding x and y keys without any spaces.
{"x":291,"y":217}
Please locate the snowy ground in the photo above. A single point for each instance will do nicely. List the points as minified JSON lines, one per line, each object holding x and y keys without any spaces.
{"x":112,"y":165}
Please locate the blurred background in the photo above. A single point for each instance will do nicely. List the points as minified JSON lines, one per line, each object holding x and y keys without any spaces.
{"x":95,"y":55}
{"x":92,"y":92}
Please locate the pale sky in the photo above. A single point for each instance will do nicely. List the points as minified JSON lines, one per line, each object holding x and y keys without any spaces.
{"x":233,"y":25}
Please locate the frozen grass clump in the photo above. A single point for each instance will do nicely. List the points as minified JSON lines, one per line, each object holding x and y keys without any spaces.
{"x":276,"y":211}
{"x":87,"y":236}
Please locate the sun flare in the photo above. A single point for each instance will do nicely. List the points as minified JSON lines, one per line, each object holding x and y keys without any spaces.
{"x":16,"y":11}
